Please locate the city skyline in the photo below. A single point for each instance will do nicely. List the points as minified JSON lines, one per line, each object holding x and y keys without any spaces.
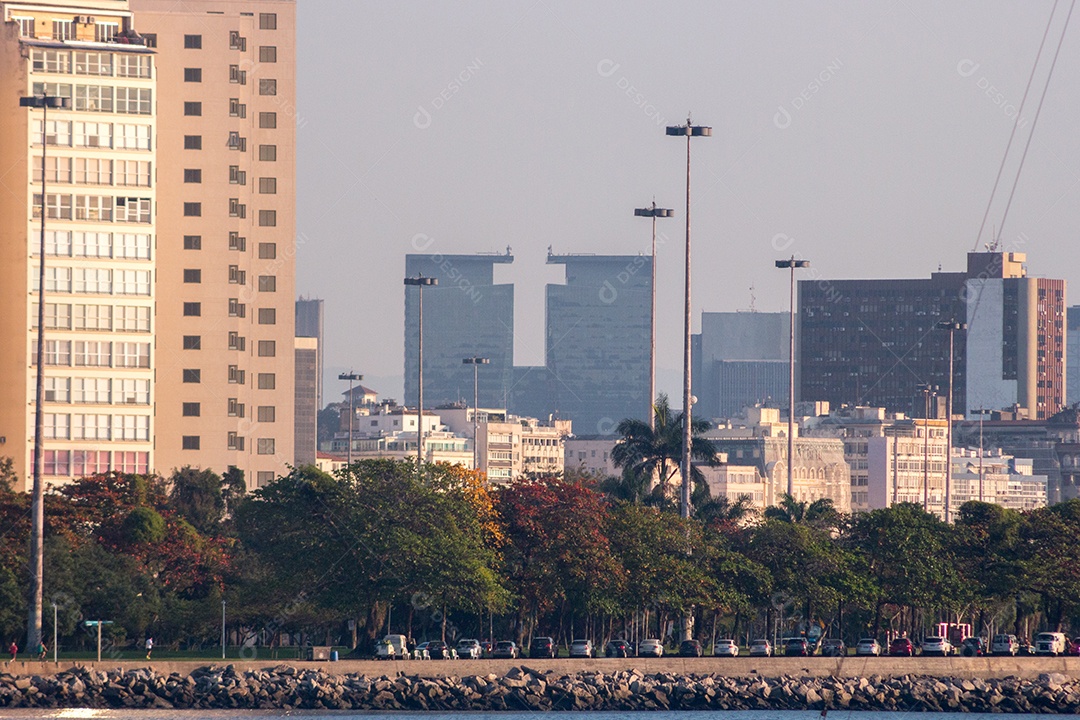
{"x":862,"y":138}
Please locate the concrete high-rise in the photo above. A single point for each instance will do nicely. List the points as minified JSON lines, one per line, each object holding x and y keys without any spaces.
{"x":597,"y":340}
{"x":465,"y":315}
{"x":226,"y":255}
{"x":741,"y":360}
{"x":309,"y":324}
{"x":875,"y":342}
{"x":100,"y":242}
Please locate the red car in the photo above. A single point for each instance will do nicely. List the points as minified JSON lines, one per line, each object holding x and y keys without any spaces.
{"x":902,"y":647}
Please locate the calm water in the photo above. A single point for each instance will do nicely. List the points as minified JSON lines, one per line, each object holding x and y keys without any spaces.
{"x":77,"y":714}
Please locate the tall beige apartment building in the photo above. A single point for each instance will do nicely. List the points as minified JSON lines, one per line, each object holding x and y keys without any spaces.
{"x":101,"y":244}
{"x":226,"y":149}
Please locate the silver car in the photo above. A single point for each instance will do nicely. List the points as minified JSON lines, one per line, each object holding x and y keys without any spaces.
{"x":581,"y":649}
{"x":935,"y":645}
{"x":761,"y":648}
{"x":1004,"y":645}
{"x":725,"y":648}
{"x":469,"y":649}
{"x":868,"y":646}
{"x":651,"y":648}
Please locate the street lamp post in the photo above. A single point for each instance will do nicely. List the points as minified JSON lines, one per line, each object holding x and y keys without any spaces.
{"x":350,"y":376}
{"x":791,"y":264}
{"x":982,"y":412}
{"x":476,"y":362}
{"x":419,"y":282}
{"x":689,"y":130}
{"x":222,"y":629}
{"x":653,"y":212}
{"x":952,"y":326}
{"x":37,"y":511}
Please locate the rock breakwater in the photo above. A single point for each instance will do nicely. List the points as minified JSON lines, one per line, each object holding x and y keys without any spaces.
{"x":522,"y":688}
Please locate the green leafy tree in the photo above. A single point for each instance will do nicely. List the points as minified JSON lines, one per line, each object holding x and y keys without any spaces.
{"x":197,"y":496}
{"x":820,"y":513}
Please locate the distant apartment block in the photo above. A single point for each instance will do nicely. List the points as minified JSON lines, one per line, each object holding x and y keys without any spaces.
{"x":306,"y":405}
{"x":226,"y":142}
{"x":309,"y":324}
{"x":741,"y":359}
{"x":101,"y":242}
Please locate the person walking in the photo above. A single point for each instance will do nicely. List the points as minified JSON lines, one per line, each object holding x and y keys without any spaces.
{"x":149,"y":646}
{"x":41,"y":650}
{"x":14,"y":650}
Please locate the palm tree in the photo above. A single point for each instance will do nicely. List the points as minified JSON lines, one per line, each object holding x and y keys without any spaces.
{"x":722,"y":511}
{"x":656,"y":454}
{"x":821,"y":513}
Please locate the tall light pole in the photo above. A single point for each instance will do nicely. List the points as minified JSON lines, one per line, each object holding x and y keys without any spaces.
{"x":476,"y":362}
{"x":222,"y":629}
{"x":982,"y":412}
{"x":37,"y":511}
{"x":419,"y":282}
{"x":952,"y":326}
{"x":689,"y":130}
{"x":792,"y":263}
{"x":928,"y":391}
{"x":350,"y":376}
{"x":653,"y":212}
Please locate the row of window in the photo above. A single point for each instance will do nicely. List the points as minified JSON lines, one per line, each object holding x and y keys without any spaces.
{"x":81,"y":463}
{"x":97,"y":391}
{"x":94,"y":353}
{"x":265,"y":413}
{"x":78,"y":243}
{"x":115,"y":136}
{"x":95,"y":171}
{"x":63,"y":29}
{"x":96,"y":318}
{"x":266,"y":348}
{"x":101,"y":98}
{"x":96,"y":281}
{"x":94,"y":208}
{"x":265,"y":381}
{"x":237,"y":209}
{"x":106,"y":64}
{"x":93,"y":426}
{"x":264,"y":446}
{"x":267,"y":153}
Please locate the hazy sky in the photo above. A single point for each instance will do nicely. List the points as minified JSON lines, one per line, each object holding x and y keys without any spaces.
{"x":863,"y":136}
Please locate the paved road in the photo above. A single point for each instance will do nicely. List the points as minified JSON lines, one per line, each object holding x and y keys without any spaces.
{"x":986,"y":667}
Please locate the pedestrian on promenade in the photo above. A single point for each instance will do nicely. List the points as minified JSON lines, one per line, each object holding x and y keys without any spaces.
{"x":14,"y":650}
{"x":41,"y":650}
{"x":149,"y":646}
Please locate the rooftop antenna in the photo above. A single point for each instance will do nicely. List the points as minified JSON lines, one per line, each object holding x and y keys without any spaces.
{"x":753,"y":299}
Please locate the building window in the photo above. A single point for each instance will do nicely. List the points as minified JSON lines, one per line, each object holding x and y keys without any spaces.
{"x":190,"y":442}
{"x":193,"y":342}
{"x":192,"y":309}
{"x":237,"y":76}
{"x":193,"y":242}
{"x":268,"y":120}
{"x":237,"y":242}
{"x":193,"y":109}
{"x":237,"y":209}
{"x":237,"y":276}
{"x":268,"y":218}
{"x":266,"y":446}
{"x":267,"y":316}
{"x":134,"y":101}
{"x":267,"y":53}
{"x":192,"y":375}
{"x":105,"y":31}
{"x":193,"y":142}
{"x":237,"y":308}
{"x":192,"y":209}
{"x":192,"y":275}
{"x":268,"y":21}
{"x":193,"y":42}
{"x":235,"y":408}
{"x":268,"y":153}
{"x":150,"y":40}
{"x":63,"y":30}
{"x":267,"y":251}
{"x":267,"y":86}
{"x":267,"y":348}
{"x":264,"y":478}
{"x":192,"y":175}
{"x":235,"y":441}
{"x":237,"y":341}
{"x":267,"y":381}
{"x":236,"y":377}
{"x":193,"y":75}
{"x":192,"y":409}
{"x":268,"y":186}
{"x":237,"y":108}
{"x":137,"y":66}
{"x":268,"y":283}
{"x":26,"y":26}
{"x":267,"y":413}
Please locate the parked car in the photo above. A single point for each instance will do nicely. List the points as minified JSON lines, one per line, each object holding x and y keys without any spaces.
{"x":469,"y":649}
{"x":868,"y":646}
{"x":833,"y":647}
{"x":1026,"y":648}
{"x":505,"y":649}
{"x":438,"y":650}
{"x":902,"y":647}
{"x":420,"y":652}
{"x":617,"y":649}
{"x":543,"y":647}
{"x":1004,"y":644}
{"x":392,"y":647}
{"x":761,"y":648}
{"x":936,"y":645}
{"x":690,"y":648}
{"x":1050,"y":643}
{"x":651,"y":648}
{"x":581,"y":649}
{"x":973,"y":647}
{"x":797,"y":647}
{"x":725,"y":648}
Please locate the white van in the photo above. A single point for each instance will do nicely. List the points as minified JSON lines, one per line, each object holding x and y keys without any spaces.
{"x":1050,"y":643}
{"x":392,"y":647}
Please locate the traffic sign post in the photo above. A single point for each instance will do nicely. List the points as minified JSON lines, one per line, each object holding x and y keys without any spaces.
{"x":98,"y":623}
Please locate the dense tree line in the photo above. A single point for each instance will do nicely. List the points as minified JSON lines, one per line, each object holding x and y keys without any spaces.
{"x":340,"y":559}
